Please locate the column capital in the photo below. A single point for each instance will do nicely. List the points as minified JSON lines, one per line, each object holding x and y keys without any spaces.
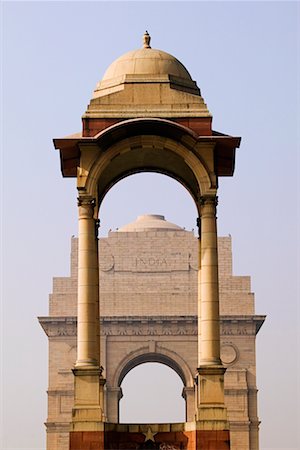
{"x":188,"y":390}
{"x":86,"y":200}
{"x":86,"y":205}
{"x":208,"y":205}
{"x":208,"y":200}
{"x":117,"y":391}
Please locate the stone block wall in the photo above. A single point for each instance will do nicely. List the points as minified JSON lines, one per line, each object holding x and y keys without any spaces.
{"x":148,"y":301}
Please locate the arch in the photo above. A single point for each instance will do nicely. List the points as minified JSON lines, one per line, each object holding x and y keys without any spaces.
{"x":152,"y":393}
{"x":148,"y":145}
{"x":164,"y":356}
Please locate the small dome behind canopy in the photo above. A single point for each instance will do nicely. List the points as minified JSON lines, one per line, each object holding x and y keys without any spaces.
{"x":150,"y":222}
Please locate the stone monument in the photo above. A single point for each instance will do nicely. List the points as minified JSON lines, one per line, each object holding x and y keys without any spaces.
{"x":147,"y":114}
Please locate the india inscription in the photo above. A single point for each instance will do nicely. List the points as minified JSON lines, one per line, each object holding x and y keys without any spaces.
{"x":146,"y":263}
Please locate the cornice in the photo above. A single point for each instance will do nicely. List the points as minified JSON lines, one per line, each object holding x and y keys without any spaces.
{"x":64,"y":327}
{"x":65,"y":392}
{"x":57,"y":427}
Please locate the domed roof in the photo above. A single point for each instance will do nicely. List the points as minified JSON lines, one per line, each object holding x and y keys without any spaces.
{"x":150,"y":222}
{"x":146,"y":83}
{"x":146,"y":61}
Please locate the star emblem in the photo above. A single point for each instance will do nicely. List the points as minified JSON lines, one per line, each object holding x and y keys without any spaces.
{"x":149,"y":436}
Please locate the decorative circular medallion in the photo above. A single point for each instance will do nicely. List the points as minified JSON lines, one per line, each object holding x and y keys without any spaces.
{"x":106,"y":258}
{"x":229,"y":353}
{"x":193,"y":260}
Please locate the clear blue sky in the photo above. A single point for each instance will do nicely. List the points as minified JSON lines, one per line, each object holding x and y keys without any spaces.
{"x":243,"y":56}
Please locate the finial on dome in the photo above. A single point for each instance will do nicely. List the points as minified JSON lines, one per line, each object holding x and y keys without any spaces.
{"x":146,"y":40}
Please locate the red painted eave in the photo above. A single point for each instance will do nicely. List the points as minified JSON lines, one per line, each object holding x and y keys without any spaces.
{"x":69,"y":155}
{"x":225,"y":153}
{"x":70,"y":152}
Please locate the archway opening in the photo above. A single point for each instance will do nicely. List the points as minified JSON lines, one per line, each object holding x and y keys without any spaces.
{"x":152,"y":393}
{"x":147,"y":193}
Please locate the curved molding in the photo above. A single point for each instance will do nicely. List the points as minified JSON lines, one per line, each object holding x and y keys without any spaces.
{"x":202,"y":182}
{"x":163,"y":356}
{"x":140,"y":121}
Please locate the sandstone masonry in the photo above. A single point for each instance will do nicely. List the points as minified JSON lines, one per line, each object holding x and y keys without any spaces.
{"x":148,"y":309}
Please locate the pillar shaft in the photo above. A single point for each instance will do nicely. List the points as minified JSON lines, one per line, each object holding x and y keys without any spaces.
{"x":87,"y":413}
{"x":209,"y":284}
{"x":211,"y":412}
{"x":88,"y":286}
{"x":199,"y":292}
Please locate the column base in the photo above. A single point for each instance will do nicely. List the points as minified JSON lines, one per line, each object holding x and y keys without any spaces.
{"x":212,"y":440}
{"x":86,"y":440}
{"x":211,"y":412}
{"x":83,"y":364}
{"x":212,"y":418}
{"x":87,"y":413}
{"x":210,"y":383}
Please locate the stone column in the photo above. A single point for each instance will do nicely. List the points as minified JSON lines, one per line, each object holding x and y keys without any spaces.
{"x":211,"y":412}
{"x":87,"y":414}
{"x":88,"y":286}
{"x":209,"y":284}
{"x":199,"y":290}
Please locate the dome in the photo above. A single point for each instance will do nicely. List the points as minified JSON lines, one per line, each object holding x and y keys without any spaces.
{"x":146,"y":61}
{"x":150,"y":222}
{"x":146,"y":83}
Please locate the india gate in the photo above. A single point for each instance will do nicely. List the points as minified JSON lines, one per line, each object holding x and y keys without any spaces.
{"x":150,"y":291}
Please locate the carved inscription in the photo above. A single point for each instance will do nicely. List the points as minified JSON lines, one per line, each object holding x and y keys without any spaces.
{"x":154,"y":262}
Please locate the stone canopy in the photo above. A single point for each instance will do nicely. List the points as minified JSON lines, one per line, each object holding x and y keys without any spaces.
{"x":149,"y":92}
{"x":148,"y":115}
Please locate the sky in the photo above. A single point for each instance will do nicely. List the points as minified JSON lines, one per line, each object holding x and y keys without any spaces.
{"x":245,"y":59}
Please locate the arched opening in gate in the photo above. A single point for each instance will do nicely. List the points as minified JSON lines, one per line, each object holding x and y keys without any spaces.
{"x":152,"y":393}
{"x":157,"y":388}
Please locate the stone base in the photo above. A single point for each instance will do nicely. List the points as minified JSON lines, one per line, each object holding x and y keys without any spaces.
{"x":212,"y":440}
{"x":176,"y":436}
{"x":86,"y":440}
